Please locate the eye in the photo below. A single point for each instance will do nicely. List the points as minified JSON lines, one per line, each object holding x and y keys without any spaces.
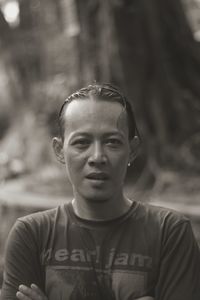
{"x":81,"y":143}
{"x":113,"y":142}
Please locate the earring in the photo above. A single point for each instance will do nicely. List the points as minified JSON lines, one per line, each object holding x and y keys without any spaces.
{"x":129,"y":164}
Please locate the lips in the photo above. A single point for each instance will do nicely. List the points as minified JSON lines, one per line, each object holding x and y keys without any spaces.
{"x":97,"y":176}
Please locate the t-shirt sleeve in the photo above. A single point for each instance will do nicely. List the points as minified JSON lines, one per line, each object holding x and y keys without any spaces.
{"x":179,"y":276}
{"x":21,"y":261}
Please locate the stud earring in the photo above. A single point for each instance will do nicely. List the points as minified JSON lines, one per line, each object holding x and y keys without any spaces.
{"x":129,"y":164}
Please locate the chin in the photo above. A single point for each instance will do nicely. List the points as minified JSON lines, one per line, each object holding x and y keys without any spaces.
{"x":94,"y":194}
{"x":96,"y":197}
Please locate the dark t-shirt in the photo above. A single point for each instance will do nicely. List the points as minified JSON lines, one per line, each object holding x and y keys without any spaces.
{"x":149,"y":251}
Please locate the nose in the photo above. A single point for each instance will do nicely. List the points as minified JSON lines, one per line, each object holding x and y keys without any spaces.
{"x":97,"y":156}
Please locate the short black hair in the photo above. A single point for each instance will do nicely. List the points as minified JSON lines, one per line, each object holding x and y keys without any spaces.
{"x":103,"y":91}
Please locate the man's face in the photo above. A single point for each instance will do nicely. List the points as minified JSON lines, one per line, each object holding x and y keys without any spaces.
{"x":96,"y":148}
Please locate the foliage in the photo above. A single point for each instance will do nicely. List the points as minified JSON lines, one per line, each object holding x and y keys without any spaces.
{"x":145,"y":47}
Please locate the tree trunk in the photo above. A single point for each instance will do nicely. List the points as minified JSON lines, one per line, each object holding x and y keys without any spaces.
{"x":147,"y":48}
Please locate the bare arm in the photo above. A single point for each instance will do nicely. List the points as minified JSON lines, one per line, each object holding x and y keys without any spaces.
{"x":34,"y":293}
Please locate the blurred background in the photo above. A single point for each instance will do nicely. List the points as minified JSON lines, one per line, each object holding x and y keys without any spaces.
{"x":150,"y":49}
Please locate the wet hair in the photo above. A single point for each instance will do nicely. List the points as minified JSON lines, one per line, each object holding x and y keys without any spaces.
{"x":105,"y":92}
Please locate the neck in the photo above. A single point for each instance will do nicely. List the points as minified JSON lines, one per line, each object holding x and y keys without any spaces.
{"x":101,"y":210}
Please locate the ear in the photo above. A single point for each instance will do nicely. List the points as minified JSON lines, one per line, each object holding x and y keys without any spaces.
{"x":58,"y":149}
{"x":134,"y":146}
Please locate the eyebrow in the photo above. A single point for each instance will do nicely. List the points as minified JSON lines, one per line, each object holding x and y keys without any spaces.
{"x":110,"y":133}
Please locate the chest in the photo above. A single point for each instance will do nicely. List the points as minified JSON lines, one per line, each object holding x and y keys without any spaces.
{"x":99,"y":264}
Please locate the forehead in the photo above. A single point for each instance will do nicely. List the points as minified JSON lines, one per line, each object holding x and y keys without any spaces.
{"x":95,"y":115}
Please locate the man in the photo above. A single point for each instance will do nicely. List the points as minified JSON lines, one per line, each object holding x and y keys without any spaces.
{"x":101,"y":245}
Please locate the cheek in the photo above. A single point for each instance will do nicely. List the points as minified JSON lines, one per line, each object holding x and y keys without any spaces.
{"x":122,"y":154}
{"x":72,"y":169}
{"x":120,"y":162}
{"x":74,"y":162}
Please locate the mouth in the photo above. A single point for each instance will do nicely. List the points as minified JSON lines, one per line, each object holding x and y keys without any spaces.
{"x":97,"y":176}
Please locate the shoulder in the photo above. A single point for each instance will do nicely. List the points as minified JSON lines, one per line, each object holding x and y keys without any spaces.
{"x":39,"y":217}
{"x":160,"y":215}
{"x":37,"y":228}
{"x":44,"y":217}
{"x":41,"y":224}
{"x":165,"y":229}
{"x":158,"y":222}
